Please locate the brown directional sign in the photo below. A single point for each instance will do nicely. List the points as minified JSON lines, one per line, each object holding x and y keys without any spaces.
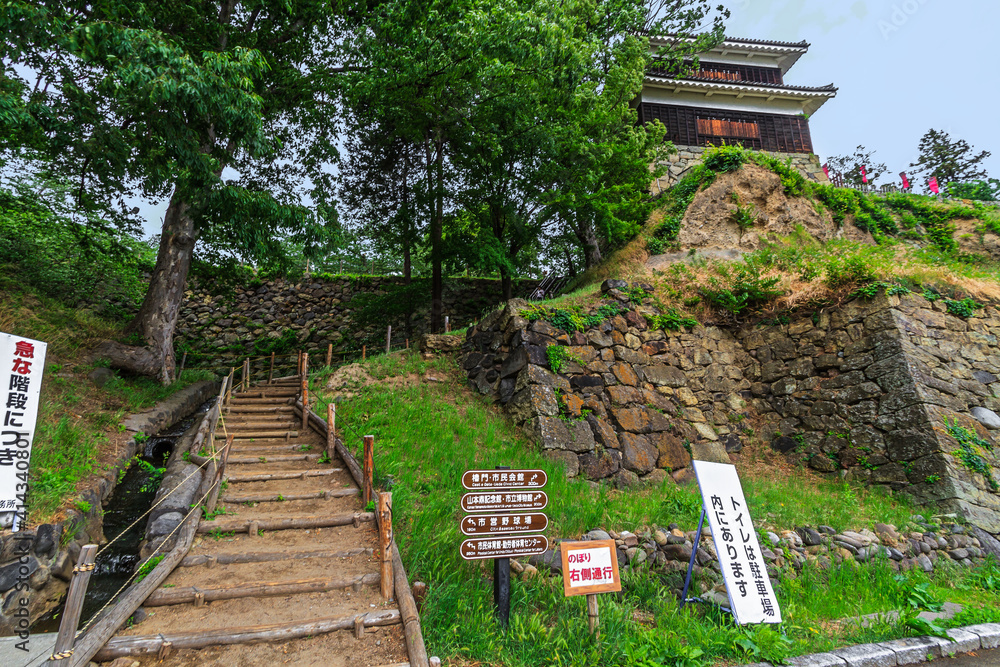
{"x":504,"y":479}
{"x":504,"y":524}
{"x":503,"y":547}
{"x":504,"y":501}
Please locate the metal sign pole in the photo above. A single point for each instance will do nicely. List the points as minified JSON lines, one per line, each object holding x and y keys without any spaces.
{"x":694,"y":554}
{"x":501,"y":583}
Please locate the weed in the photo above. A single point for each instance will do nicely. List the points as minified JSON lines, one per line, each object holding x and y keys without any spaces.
{"x":670,"y":320}
{"x":148,"y":567}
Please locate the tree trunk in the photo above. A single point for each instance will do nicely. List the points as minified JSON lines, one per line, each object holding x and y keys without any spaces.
{"x":591,"y":247}
{"x":157,"y":317}
{"x":506,"y":284}
{"x":437,"y":223}
{"x":569,"y":263}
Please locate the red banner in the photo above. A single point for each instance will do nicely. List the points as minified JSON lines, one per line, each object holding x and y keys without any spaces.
{"x":933,"y":185}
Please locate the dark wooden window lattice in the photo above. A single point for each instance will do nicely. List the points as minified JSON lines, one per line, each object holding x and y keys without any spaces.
{"x":693,"y":126}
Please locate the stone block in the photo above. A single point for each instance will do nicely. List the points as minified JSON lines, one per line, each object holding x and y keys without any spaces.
{"x":556,"y":433}
{"x":624,"y":374}
{"x":663,"y":375}
{"x":989,"y":634}
{"x":532,"y":401}
{"x":622,"y":395}
{"x":514,"y":363}
{"x":959,"y":641}
{"x":598,"y":465}
{"x":714,"y":452}
{"x":638,"y":454}
{"x":817,"y":660}
{"x":911,"y":650}
{"x":569,"y":460}
{"x":867,"y":655}
{"x":671,"y":452}
{"x":640,"y":420}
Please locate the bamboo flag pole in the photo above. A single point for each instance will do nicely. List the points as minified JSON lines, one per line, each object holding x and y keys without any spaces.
{"x":385,"y":542}
{"x":369,"y":465}
{"x":592,"y":616}
{"x":388,"y":338}
{"x":331,"y":430}
{"x":329,"y":354}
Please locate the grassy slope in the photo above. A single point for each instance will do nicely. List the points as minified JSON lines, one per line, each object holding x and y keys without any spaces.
{"x":428,"y":432}
{"x":79,"y":431}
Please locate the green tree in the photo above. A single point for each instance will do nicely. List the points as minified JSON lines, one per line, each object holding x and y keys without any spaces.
{"x":159,"y":100}
{"x":952,"y":161}
{"x":849,"y":166}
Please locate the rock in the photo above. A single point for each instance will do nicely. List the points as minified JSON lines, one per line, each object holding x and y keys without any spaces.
{"x":9,"y":573}
{"x":612,"y":284}
{"x":437,"y":343}
{"x":549,"y":559}
{"x":772,"y":538}
{"x":46,"y":540}
{"x":987,"y":418}
{"x":714,"y":452}
{"x":596,"y":465}
{"x":556,"y":433}
{"x":809,"y":536}
{"x":625,"y":479}
{"x":125,"y":662}
{"x":659,"y":537}
{"x":656,"y":477}
{"x":664,"y":376}
{"x":100,"y":376}
{"x":597,"y":534}
{"x":569,"y":460}
{"x":925,"y":563}
{"x":638,"y":455}
{"x":163,"y":524}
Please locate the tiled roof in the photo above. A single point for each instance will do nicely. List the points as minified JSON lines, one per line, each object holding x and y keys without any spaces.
{"x":768,"y":42}
{"x":748,"y":86}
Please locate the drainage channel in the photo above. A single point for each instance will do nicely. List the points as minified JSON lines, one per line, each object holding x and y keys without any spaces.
{"x":132,"y":496}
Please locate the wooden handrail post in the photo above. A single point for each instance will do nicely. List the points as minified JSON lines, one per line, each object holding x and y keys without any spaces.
{"x":388,"y":339}
{"x":270,"y":373}
{"x":229,"y":391}
{"x":74,"y":604}
{"x":329,"y":354}
{"x":364,"y":349}
{"x":298,"y":367}
{"x":305,"y":390}
{"x":331,"y":428}
{"x":246,"y":365}
{"x":407,"y":343}
{"x":369,"y":466}
{"x":183,"y":361}
{"x":385,"y":542}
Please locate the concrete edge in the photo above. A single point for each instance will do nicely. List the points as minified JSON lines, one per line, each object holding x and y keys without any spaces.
{"x":905,"y":651}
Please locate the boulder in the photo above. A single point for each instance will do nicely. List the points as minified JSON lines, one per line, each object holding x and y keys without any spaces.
{"x":598,"y":465}
{"x":987,"y":418}
{"x":638,"y":454}
{"x":437,"y":343}
{"x":569,"y":460}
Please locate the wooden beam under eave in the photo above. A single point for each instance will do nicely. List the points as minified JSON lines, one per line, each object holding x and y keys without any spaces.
{"x":771,"y":98}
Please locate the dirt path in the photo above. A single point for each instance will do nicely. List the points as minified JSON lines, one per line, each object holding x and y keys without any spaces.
{"x":232,"y":580}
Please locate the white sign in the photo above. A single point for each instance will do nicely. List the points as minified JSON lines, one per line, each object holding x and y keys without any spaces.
{"x":590,"y":567}
{"x":22,"y":362}
{"x":751,"y":596}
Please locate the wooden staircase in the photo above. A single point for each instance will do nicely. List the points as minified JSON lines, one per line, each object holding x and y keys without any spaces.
{"x":290,"y":559}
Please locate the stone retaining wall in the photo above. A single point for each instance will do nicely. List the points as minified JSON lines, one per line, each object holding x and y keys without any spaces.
{"x":688,"y":156}
{"x":865,"y":390}
{"x":318,"y":312}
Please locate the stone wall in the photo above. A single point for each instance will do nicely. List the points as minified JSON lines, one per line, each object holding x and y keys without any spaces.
{"x":318,"y":312}
{"x":688,"y":156}
{"x":865,"y":390}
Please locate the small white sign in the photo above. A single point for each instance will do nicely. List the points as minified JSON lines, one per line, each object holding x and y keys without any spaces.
{"x":590,"y":567}
{"x":22,"y":362}
{"x":751,"y":596}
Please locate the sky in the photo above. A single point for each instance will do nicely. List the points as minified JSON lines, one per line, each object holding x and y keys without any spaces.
{"x":902,"y":66}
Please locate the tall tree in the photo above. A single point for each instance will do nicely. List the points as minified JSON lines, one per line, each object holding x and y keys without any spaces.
{"x":952,"y":161}
{"x":160,"y":99}
{"x":849,"y":166}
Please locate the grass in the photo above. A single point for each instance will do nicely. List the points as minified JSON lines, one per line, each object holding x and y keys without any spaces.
{"x":428,"y":433}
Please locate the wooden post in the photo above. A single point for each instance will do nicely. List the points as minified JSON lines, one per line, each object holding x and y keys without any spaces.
{"x":329,"y":354}
{"x":74,"y":604}
{"x":385,"y":542}
{"x":270,"y":373}
{"x":364,"y":349}
{"x":447,"y":324}
{"x":305,"y":390}
{"x":244,"y":383}
{"x":298,"y":367}
{"x":368,"y":469}
{"x":388,"y":339}
{"x":592,"y":616}
{"x":341,"y":267}
{"x":229,"y":391}
{"x":407,"y":343}
{"x":331,"y":429}
{"x":183,"y":361}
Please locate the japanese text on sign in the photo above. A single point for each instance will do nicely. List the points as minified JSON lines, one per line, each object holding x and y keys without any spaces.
{"x":504,"y":479}
{"x":751,"y":595}
{"x":507,"y":500}
{"x":590,"y":567}
{"x":507,"y":547}
{"x":21,"y":376}
{"x":483,"y":524}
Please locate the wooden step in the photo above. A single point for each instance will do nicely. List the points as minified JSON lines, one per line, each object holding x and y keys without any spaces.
{"x":239,"y":401}
{"x":273,"y":393}
{"x":246,"y":442}
{"x":291,"y":474}
{"x":257,"y":409}
{"x":138,"y":645}
{"x":262,"y":425}
{"x":274,"y":458}
{"x":273,"y":497}
{"x":287,"y":523}
{"x":240,"y":557}
{"x":260,"y":433}
{"x":283,"y":446}
{"x":258,"y":589}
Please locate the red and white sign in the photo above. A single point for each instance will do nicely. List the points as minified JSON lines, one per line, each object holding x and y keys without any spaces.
{"x":590,"y":567}
{"x":22,"y":362}
{"x":751,"y":596}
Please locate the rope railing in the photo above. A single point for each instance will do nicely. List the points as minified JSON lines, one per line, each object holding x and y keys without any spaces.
{"x":68,"y":636}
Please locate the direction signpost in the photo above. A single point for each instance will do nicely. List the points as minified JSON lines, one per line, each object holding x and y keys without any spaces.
{"x":499,"y":534}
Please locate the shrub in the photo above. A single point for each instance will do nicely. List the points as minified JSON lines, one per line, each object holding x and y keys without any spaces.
{"x":740,"y":287}
{"x":724,"y":159}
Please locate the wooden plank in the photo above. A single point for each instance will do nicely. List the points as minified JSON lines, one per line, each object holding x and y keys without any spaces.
{"x":263,"y":477}
{"x":286,"y":523}
{"x":273,"y":458}
{"x":260,"y":589}
{"x":273,"y":497}
{"x":268,"y":556}
{"x":279,"y":632}
{"x":369,"y":469}
{"x":74,"y":604}
{"x":385,"y":542}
